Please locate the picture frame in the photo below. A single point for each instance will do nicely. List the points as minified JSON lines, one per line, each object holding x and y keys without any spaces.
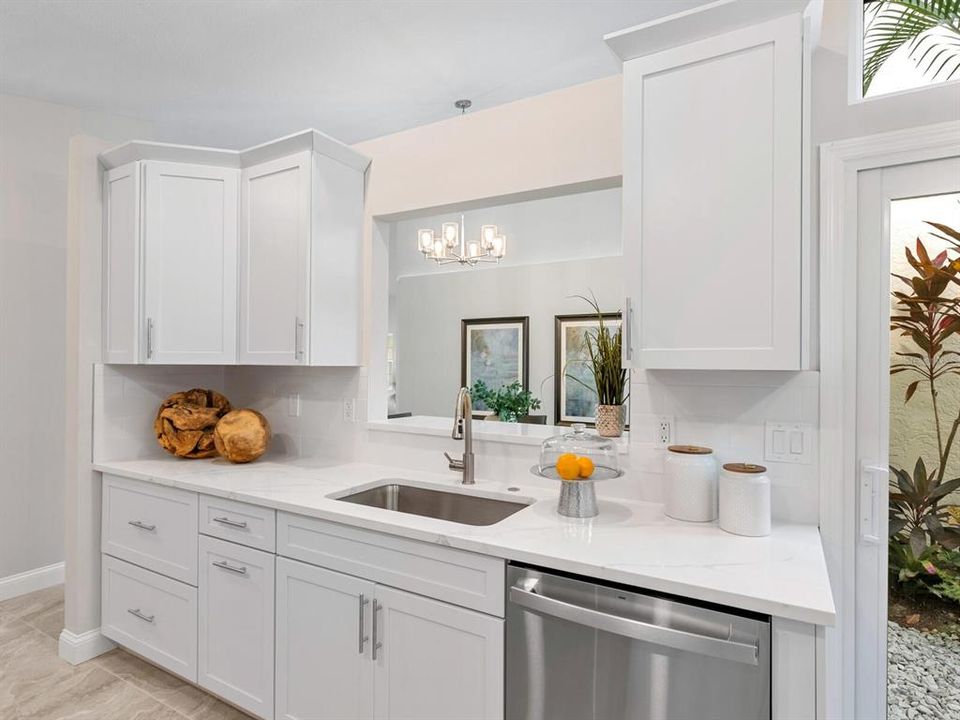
{"x":571,"y":401}
{"x":495,"y":350}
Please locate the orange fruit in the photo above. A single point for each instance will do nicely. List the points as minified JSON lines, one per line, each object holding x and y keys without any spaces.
{"x":568,"y":467}
{"x":585,"y":465}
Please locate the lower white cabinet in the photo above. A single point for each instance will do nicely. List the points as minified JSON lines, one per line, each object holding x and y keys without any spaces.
{"x":436,"y":661}
{"x":349,"y":648}
{"x":324,"y":657}
{"x":236,"y":624}
{"x":150,"y":614}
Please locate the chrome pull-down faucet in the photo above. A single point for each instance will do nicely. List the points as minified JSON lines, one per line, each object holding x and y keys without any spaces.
{"x":463,"y":430}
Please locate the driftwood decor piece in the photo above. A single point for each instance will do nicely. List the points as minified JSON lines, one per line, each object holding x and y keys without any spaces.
{"x":186,"y":421}
{"x":242,"y":435}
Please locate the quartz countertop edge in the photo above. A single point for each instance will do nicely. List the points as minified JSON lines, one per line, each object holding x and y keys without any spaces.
{"x":783,"y":575}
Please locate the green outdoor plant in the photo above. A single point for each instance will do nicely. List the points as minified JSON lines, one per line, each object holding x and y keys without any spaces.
{"x":605,"y":350}
{"x":931,"y":29}
{"x":923,"y":540}
{"x":509,"y":402}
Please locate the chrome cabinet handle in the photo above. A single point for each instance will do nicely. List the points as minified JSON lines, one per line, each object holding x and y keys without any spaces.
{"x":142,"y":526}
{"x":298,"y":339}
{"x":149,"y":338}
{"x":655,"y":634}
{"x":231,"y":523}
{"x":377,"y":607}
{"x":224,"y":565}
{"x":627,"y":322}
{"x":136,"y":613}
{"x":362,"y":638}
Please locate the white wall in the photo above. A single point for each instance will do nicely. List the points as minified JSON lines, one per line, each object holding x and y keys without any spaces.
{"x":34,"y":141}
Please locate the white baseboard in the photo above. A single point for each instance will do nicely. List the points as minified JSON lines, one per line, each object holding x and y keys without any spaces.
{"x":76,"y":649}
{"x":27,"y":582}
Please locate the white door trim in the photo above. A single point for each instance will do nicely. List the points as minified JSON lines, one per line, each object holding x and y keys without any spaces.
{"x":839,"y":164}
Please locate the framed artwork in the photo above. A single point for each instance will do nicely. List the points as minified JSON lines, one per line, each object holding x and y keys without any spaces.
{"x":574,"y":403}
{"x":494,"y":350}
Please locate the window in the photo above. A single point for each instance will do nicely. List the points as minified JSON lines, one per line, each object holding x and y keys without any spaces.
{"x":909,"y":44}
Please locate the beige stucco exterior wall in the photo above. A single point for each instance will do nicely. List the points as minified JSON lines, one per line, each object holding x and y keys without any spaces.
{"x":912,"y":429}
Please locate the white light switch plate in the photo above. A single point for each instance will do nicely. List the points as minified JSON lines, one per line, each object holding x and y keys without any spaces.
{"x":788,"y":443}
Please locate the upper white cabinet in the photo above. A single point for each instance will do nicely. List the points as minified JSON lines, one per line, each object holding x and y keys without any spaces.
{"x":190,"y":263}
{"x":300,"y":256}
{"x":712,"y":197}
{"x":217,"y":256}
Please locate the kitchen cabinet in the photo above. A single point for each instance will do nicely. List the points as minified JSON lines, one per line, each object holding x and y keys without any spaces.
{"x":351,"y":648}
{"x":121,"y":264}
{"x":324,"y":655}
{"x":300,"y":261}
{"x":218,"y":257}
{"x":236,"y":624}
{"x":190,"y":263}
{"x":436,"y":661}
{"x":712,"y":199}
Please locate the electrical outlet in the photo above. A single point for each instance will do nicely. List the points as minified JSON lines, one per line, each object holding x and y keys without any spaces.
{"x":663,"y":431}
{"x":349,"y":410}
{"x":293,"y":404}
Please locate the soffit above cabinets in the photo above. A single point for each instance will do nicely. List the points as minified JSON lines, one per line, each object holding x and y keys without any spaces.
{"x":304,"y":140}
{"x":695,"y":24}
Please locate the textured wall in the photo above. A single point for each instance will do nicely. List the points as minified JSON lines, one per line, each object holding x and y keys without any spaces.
{"x":912,"y":429}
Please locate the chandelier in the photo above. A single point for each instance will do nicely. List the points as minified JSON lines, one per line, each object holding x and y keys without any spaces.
{"x":450,"y":245}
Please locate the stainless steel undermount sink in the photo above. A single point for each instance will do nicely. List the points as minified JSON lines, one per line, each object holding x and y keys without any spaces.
{"x":454,"y":507}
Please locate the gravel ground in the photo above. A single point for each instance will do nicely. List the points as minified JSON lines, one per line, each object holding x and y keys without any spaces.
{"x":923,"y":675}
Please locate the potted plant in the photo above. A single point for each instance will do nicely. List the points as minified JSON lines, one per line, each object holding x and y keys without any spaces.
{"x":604,"y":347}
{"x":510,"y":403}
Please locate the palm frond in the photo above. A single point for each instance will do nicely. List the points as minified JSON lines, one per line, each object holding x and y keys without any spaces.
{"x":891,"y":24}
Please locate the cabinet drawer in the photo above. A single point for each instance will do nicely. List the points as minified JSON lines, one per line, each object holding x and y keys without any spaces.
{"x":454,"y":576}
{"x":239,"y":522}
{"x":236,"y":624}
{"x":152,"y":526}
{"x":151,"y":615}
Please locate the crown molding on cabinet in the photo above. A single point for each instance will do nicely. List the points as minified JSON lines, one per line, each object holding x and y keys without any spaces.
{"x":305,"y":140}
{"x":695,"y":24}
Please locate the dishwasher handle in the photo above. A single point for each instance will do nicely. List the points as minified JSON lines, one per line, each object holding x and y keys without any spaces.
{"x":667,"y":637}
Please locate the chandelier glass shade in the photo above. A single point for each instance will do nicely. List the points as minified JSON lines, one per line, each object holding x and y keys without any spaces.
{"x":450,"y":245}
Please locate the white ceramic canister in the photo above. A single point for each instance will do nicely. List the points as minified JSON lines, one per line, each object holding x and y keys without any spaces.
{"x":691,"y":477}
{"x":745,"y":499}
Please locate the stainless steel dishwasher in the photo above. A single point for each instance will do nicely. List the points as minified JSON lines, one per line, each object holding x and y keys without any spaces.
{"x":579,"y":650}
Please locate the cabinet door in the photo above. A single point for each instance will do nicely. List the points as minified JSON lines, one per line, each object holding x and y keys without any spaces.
{"x":436,"y":661}
{"x":324,"y":668}
{"x":121,"y":264}
{"x":190,"y":263}
{"x":274,"y":261}
{"x":712,"y":198}
{"x":236,"y":624}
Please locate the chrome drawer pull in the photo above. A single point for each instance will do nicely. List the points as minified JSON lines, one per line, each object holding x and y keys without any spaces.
{"x":362,"y":638}
{"x":142,"y":526}
{"x":224,"y":565}
{"x":231,"y":523}
{"x":136,"y":613}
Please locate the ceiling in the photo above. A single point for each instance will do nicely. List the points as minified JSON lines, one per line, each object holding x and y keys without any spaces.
{"x":234,"y":73}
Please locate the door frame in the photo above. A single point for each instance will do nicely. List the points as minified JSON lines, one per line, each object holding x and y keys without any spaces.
{"x":840,"y":163}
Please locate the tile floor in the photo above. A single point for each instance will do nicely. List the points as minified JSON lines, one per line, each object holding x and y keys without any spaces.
{"x":35,"y":684}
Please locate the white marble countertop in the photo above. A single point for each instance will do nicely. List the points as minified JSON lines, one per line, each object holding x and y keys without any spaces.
{"x":783,"y":575}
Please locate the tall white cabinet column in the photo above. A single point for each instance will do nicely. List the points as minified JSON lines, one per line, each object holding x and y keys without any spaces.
{"x":712,"y":192}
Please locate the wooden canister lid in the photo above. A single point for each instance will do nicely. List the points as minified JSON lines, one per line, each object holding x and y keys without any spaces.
{"x":747,"y":468}
{"x":689,"y":449}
